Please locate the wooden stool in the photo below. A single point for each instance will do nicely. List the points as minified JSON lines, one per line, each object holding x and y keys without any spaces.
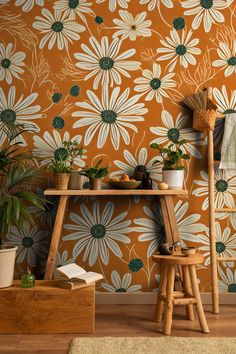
{"x":190,"y":294}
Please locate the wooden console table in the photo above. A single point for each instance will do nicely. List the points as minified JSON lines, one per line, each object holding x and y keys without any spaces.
{"x":166,"y":202}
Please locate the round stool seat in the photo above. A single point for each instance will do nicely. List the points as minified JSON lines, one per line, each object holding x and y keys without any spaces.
{"x":179,"y":259}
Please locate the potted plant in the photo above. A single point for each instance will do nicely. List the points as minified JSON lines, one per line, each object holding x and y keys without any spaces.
{"x":17,"y":171}
{"x":61,"y":169}
{"x":171,"y":158}
{"x":95,"y":175}
{"x":76,"y":180}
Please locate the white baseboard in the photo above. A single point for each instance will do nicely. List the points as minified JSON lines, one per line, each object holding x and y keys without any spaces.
{"x":149,"y":298}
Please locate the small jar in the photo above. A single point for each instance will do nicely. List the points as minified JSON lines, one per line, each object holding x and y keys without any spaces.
{"x":146,"y":181}
{"x":27,"y":279}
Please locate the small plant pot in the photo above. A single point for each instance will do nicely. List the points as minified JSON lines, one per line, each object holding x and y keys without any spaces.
{"x":174,"y":178}
{"x":7,"y":263}
{"x":76,"y":181}
{"x":61,"y":180}
{"x":95,"y":183}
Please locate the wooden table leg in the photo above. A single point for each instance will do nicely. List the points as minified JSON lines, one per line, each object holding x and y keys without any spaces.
{"x":196,"y":294}
{"x":188,"y":290}
{"x":56,"y":237}
{"x":169,"y":299}
{"x":161,"y":292}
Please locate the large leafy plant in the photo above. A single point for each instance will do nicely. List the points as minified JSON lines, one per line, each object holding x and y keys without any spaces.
{"x":171,"y":156}
{"x":96,"y":171}
{"x":73,"y":151}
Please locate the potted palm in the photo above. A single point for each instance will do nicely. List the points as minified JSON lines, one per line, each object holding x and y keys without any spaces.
{"x":171,"y":158}
{"x":17,"y":171}
{"x":95,"y":175}
{"x":76,"y":180}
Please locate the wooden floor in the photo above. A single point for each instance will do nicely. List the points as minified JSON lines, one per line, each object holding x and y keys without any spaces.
{"x":123,"y":320}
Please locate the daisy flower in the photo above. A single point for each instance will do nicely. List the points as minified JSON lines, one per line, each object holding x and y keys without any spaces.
{"x":3,"y":2}
{"x":225,"y":105}
{"x":153,"y":84}
{"x":179,"y":49}
{"x":225,"y":243}
{"x":31,"y":243}
{"x":27,"y":5}
{"x":114,"y":3}
{"x":109,"y":116}
{"x":97,"y":233}
{"x":130,"y":27}
{"x":224,"y":188}
{"x":73,"y":8}
{"x":227,"y":283}
{"x":153,"y":3}
{"x":176,"y":131}
{"x":104,"y":62}
{"x":50,"y":146}
{"x":206,"y":11}
{"x":21,"y":111}
{"x":139,"y":162}
{"x":57,"y":29}
{"x":61,"y":260}
{"x":121,"y":285}
{"x":227,"y":58}
{"x":10,"y":63}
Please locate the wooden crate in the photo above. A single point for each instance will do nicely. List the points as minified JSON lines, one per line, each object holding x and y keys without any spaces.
{"x":47,"y":309}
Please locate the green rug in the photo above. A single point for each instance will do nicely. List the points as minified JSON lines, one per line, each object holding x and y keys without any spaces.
{"x":152,"y":345}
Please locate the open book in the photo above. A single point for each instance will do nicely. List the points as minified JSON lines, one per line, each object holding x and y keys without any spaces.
{"x":77,"y":277}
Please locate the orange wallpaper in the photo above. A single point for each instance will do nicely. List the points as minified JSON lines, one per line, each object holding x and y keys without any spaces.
{"x":110,"y":73}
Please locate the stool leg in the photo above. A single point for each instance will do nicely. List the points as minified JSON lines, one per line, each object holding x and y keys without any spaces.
{"x":161,"y":292}
{"x":188,"y":290}
{"x":196,"y":294}
{"x":169,"y":299}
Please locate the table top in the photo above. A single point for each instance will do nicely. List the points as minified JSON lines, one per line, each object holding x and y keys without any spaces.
{"x":119,"y":192}
{"x":177,"y":258}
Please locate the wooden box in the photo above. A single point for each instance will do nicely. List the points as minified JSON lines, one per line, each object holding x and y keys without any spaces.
{"x":47,"y":309}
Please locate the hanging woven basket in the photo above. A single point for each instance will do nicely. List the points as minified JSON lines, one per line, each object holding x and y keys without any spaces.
{"x":204,"y":120}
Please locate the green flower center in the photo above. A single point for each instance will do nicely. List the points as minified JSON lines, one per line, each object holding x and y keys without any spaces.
{"x":206,"y":4}
{"x":75,"y":90}
{"x":135,"y":264}
{"x":155,"y":84}
{"x":61,"y":153}
{"x":220,"y":247}
{"x":230,"y":110}
{"x":5,"y":63}
{"x":106,"y":63}
{"x":98,"y":231}
{"x":98,"y":20}
{"x":57,"y":26}
{"x":221,"y":186}
{"x":232,"y":288}
{"x":173,"y":134}
{"x":121,"y":290}
{"x":58,"y":122}
{"x":8,"y":116}
{"x":133,"y":28}
{"x":27,"y":242}
{"x":179,"y":23}
{"x":181,"y":49}
{"x":232,"y":61}
{"x":108,"y":116}
{"x":73,"y":4}
{"x":141,"y":168}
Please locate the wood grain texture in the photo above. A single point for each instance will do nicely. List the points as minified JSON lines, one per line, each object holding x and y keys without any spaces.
{"x":68,"y":192}
{"x":179,"y":259}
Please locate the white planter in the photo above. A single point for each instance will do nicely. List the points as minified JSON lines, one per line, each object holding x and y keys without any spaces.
{"x":174,"y":178}
{"x":7,"y":263}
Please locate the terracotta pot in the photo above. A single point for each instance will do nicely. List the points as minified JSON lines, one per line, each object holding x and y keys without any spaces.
{"x":95,"y":183}
{"x":61,"y":180}
{"x":76,"y":181}
{"x":7,"y":263}
{"x":174,"y":178}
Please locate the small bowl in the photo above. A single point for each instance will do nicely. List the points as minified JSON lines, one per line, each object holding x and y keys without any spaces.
{"x":188,"y":251}
{"x":125,"y":184}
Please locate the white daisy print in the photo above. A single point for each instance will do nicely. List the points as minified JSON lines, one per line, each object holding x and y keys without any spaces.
{"x":50,"y":146}
{"x":104,"y":62}
{"x":227,"y":58}
{"x":206,"y":11}
{"x":225,"y":105}
{"x":112,"y":115}
{"x":227,"y":283}
{"x":98,"y":233}
{"x":27,"y":5}
{"x":74,"y":7}
{"x":3,"y":2}
{"x":130,"y":27}
{"x":175,"y":131}
{"x":156,"y":3}
{"x":121,"y":285}
{"x":11,"y":63}
{"x":20,"y":111}
{"x":58,"y":29}
{"x":179,"y":48}
{"x":31,"y":243}
{"x":152,"y":84}
{"x":114,"y":3}
{"x":224,"y":188}
{"x":138,"y":162}
{"x":61,"y":260}
{"x":225,"y":243}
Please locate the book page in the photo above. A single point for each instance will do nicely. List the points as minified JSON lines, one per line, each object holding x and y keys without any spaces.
{"x":89,"y":277}
{"x":71,"y":270}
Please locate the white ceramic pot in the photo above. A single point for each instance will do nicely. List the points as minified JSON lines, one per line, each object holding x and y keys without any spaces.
{"x":7,"y":263}
{"x":174,"y":178}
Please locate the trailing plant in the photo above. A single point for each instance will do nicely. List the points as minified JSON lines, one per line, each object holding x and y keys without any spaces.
{"x":171,"y":156}
{"x":96,"y":171}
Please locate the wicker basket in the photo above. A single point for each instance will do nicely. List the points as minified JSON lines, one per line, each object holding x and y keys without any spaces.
{"x":204,"y":120}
